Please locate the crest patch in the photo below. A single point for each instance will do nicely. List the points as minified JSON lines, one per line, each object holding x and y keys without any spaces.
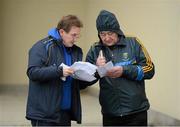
{"x":125,"y":56}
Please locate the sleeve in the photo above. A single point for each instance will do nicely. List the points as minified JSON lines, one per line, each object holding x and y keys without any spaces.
{"x":84,"y":84}
{"x":144,"y":67}
{"x":37,"y":71}
{"x":91,"y":56}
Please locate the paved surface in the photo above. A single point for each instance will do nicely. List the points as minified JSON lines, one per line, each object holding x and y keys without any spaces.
{"x":13,"y":106}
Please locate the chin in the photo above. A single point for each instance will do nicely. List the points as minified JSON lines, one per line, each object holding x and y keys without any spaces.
{"x":70,"y":45}
{"x":109,"y":44}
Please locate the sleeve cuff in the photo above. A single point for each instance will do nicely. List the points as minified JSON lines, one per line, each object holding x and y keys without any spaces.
{"x":60,"y":71}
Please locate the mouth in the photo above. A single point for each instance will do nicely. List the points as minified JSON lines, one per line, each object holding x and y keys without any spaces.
{"x":71,"y":44}
{"x":109,"y":43}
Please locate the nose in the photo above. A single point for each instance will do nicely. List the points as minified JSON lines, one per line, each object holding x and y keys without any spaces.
{"x":75,"y":39}
{"x":106,"y":38}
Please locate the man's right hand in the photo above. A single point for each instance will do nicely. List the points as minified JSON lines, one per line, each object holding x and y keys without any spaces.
{"x":67,"y":72}
{"x":101,"y":60}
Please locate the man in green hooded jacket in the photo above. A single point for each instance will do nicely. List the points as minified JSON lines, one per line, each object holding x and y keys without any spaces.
{"x":122,"y":91}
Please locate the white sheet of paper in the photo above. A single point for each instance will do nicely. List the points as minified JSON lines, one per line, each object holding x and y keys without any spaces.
{"x":83,"y":75}
{"x":83,"y":71}
{"x":85,"y":66}
{"x":103,"y":70}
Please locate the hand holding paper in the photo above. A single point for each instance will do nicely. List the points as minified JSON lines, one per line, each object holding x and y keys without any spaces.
{"x":101,"y":61}
{"x":85,"y":70}
{"x":115,"y":72}
{"x":102,"y":71}
{"x":103,"y":67}
{"x":67,"y":71}
{"x":82,"y":71}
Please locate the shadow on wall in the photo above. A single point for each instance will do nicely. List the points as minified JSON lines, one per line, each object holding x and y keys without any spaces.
{"x":156,"y":118}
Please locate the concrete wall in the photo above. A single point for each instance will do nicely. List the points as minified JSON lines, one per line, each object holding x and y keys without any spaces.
{"x":23,"y":23}
{"x":155,"y":22}
{"x":178,"y":57}
{"x":1,"y":55}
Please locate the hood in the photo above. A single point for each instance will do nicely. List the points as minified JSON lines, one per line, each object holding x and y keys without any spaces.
{"x":53,"y":32}
{"x":106,"y":21}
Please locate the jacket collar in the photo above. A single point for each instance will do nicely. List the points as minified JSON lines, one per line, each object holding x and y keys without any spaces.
{"x":54,"y":33}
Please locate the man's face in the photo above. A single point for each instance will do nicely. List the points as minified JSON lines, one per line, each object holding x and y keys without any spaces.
{"x":108,"y":38}
{"x":71,"y":37}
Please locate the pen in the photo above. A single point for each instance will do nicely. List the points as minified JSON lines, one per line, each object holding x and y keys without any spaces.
{"x":101,"y":54}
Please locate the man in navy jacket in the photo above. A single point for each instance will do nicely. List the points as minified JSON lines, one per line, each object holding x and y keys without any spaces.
{"x":51,"y":100}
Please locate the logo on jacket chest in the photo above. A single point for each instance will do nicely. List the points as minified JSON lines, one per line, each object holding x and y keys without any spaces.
{"x":125,"y":56}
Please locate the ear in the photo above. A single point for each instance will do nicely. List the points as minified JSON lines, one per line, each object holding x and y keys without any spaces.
{"x":61,"y":31}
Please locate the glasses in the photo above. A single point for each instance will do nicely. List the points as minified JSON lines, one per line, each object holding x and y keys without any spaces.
{"x":75,"y":36}
{"x":103,"y":34}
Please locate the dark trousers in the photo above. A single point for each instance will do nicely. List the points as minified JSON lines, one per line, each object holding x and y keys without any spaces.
{"x":36,"y":123}
{"x":64,"y":121}
{"x":137,"y":119}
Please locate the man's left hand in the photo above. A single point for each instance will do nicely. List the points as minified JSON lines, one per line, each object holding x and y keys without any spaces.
{"x":115,"y":72}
